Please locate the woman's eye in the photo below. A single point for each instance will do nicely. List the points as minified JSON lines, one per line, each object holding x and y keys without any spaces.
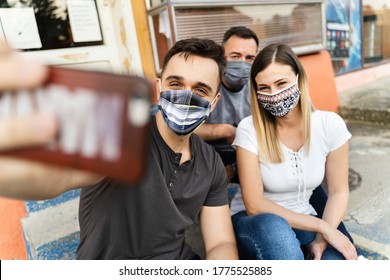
{"x":281,"y":84}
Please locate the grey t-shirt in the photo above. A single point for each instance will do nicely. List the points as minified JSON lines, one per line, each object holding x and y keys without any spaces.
{"x":232,"y":107}
{"x":148,"y":221}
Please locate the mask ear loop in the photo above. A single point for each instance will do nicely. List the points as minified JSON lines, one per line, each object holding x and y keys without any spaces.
{"x":215,"y":98}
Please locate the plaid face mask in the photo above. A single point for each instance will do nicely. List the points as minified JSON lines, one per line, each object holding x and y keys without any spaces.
{"x":183,"y":110}
{"x":282,"y":102}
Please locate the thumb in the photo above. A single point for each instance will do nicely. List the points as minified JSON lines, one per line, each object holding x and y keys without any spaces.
{"x":18,"y":71}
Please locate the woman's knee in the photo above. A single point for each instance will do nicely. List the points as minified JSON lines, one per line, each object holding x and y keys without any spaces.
{"x":268,"y":236}
{"x":271,"y":223}
{"x":266,"y":225}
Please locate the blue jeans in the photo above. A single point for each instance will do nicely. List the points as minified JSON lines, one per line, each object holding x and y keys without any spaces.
{"x":270,"y":237}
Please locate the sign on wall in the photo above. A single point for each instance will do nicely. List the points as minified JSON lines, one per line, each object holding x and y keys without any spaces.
{"x":343,"y":32}
{"x":52,"y":24}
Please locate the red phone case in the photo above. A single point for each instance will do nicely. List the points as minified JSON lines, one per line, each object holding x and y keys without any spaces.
{"x":103,"y":121}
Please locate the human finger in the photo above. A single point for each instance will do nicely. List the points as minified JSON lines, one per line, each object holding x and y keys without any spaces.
{"x":27,"y":131}
{"x":350,"y":252}
{"x":315,"y":252}
{"x":18,"y":71}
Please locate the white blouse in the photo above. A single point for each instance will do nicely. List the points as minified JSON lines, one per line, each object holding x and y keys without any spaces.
{"x":291,"y":183}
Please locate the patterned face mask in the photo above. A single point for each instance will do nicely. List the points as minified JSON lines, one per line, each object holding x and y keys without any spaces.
{"x":282,"y":102}
{"x":183,"y":110}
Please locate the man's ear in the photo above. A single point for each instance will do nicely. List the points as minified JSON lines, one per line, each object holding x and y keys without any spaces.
{"x":215,"y":101}
{"x":156,"y":85}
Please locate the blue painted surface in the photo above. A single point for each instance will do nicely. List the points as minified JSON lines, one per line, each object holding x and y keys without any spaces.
{"x":35,"y":206}
{"x":371,"y":255}
{"x":372,"y":231}
{"x":64,"y":248}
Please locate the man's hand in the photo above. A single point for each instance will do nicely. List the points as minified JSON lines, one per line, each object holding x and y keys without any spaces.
{"x":230,"y":172}
{"x":18,"y":72}
{"x":23,"y":179}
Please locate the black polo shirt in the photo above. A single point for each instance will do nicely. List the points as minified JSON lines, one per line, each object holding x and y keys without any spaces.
{"x":147,"y":221}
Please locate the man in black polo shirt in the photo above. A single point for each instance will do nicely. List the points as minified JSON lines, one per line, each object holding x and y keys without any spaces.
{"x":185,"y":178}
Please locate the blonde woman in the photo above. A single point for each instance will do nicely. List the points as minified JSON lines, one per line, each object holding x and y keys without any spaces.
{"x":284,"y":151}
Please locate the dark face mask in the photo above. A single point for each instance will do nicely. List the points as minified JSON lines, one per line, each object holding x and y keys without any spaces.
{"x":236,"y":74}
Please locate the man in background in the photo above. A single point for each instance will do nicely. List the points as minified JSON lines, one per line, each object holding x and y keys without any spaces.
{"x":240,"y":48}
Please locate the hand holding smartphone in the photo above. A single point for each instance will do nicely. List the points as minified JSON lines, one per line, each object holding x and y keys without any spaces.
{"x":103,"y":121}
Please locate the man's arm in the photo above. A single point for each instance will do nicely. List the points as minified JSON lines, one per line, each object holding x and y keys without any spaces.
{"x":24,"y":180}
{"x":21,"y":179}
{"x":209,"y":132}
{"x":218,"y":234}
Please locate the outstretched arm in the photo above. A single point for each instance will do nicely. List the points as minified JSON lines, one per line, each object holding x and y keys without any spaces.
{"x":23,"y":179}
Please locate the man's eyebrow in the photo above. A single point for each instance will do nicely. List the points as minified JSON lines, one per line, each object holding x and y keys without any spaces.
{"x":181,"y":78}
{"x":235,"y":53}
{"x":175,"y":77}
{"x":205,"y":86}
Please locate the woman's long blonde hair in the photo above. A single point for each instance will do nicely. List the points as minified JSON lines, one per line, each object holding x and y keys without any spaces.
{"x":265,"y":122}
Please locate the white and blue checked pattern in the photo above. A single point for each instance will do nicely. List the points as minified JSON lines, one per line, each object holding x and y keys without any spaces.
{"x":183,"y":110}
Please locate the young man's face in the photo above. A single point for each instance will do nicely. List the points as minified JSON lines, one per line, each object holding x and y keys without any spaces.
{"x":197,"y":74}
{"x":239,"y":49}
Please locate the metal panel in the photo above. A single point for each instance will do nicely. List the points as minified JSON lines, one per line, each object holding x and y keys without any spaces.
{"x":301,"y":24}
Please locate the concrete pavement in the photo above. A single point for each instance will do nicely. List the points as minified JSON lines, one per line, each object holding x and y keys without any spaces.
{"x":367,"y":114}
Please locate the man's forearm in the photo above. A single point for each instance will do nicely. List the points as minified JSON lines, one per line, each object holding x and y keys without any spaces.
{"x":209,"y":132}
{"x":25,"y":180}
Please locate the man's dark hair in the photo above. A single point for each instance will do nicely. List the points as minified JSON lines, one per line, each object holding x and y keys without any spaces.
{"x":241,"y":32}
{"x":198,"y":47}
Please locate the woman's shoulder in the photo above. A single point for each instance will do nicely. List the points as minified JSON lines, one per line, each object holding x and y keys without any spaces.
{"x":326,"y":117}
{"x":331,"y":126}
{"x":246,"y":122}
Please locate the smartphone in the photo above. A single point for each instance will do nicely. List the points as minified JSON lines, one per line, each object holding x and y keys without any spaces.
{"x":103,"y":121}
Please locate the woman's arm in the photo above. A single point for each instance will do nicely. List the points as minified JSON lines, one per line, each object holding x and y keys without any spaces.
{"x":336,"y":174}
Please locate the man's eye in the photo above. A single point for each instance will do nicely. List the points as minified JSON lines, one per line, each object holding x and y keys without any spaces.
{"x":201,"y":91}
{"x":174,"y":84}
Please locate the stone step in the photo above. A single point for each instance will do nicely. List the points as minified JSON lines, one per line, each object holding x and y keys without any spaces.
{"x":52,"y":232}
{"x":370,"y":103}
